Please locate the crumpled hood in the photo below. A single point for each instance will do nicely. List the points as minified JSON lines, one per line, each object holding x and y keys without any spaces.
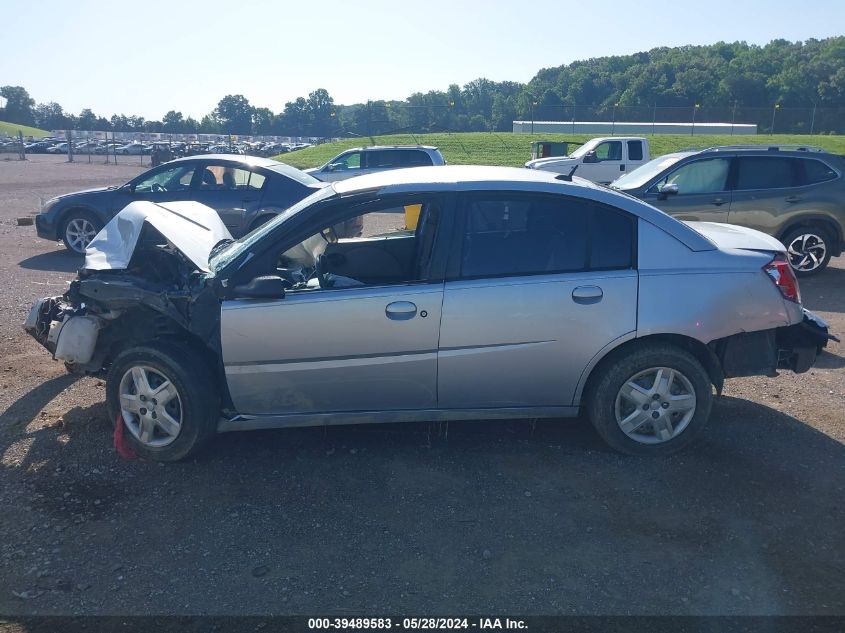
{"x":733,"y":236}
{"x":192,"y":228}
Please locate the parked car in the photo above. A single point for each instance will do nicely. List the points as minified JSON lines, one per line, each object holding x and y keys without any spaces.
{"x":132,"y":149}
{"x":367,"y":160}
{"x":60,"y":148}
{"x":794,"y":193}
{"x":601,"y":160}
{"x":517,"y":296}
{"x":245,"y":191}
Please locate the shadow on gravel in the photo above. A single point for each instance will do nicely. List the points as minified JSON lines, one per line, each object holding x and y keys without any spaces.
{"x":829,"y":360}
{"x":62,"y":261}
{"x":472,"y":517}
{"x":822,"y":291}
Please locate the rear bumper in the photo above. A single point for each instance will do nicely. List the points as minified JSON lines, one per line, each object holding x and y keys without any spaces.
{"x":794,"y":347}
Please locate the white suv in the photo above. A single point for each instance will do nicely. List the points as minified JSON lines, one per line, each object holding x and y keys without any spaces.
{"x":366,"y":160}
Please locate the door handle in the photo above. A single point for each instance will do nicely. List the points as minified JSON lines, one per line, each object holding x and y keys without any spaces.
{"x":793,"y":199}
{"x":718,"y":202}
{"x":400,"y":310}
{"x":587,"y":294}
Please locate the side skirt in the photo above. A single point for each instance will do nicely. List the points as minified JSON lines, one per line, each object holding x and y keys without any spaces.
{"x":255,"y":422}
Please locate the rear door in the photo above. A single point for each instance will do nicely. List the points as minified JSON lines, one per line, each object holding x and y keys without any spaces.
{"x":766,"y":189}
{"x":231,"y":190}
{"x":538,"y":284}
{"x":703,"y":193}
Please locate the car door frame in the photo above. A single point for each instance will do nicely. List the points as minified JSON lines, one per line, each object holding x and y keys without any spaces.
{"x":251,"y":204}
{"x":453,"y":274}
{"x":652,"y":196}
{"x":337,"y":211}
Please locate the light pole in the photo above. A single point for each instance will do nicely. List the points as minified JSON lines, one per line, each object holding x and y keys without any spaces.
{"x":613,"y":121}
{"x":774,"y":111}
{"x":533,"y":103}
{"x":694,"y":110}
{"x":813,"y":119}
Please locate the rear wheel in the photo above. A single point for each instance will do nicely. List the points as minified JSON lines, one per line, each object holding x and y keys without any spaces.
{"x":650,"y":399}
{"x":78,"y":229}
{"x":165,"y":398}
{"x":808,"y":248}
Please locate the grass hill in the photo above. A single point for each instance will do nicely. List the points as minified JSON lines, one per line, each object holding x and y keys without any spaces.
{"x":505,"y":148}
{"x":11,"y":129}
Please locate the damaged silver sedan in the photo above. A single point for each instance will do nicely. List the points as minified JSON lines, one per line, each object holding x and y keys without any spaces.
{"x":470,"y":293}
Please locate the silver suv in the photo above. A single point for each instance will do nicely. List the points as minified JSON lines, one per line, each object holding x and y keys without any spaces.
{"x":367,"y":160}
{"x":516,"y":296}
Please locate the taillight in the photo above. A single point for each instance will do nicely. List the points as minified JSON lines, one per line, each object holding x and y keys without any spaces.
{"x":784,"y":277}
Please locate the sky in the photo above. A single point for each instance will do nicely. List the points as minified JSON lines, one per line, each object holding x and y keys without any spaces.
{"x":148,"y":57}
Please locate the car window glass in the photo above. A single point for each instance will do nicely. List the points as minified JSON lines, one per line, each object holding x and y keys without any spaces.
{"x":700,"y":176}
{"x":347,"y":162}
{"x":764,"y":172}
{"x":177,"y":178}
{"x":817,"y":171}
{"x":414,"y":158}
{"x":224,"y":177}
{"x":524,"y":236}
{"x":609,"y":150}
{"x":382,"y":159}
{"x":383,"y":245}
{"x":635,"y":150}
{"x":611,"y":239}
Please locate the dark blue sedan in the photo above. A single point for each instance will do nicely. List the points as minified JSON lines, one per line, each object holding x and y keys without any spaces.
{"x":245,"y":190}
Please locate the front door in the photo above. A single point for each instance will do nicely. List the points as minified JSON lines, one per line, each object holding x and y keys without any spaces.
{"x":357,"y":332}
{"x":610,"y":162}
{"x":703,"y":194}
{"x":543,"y":284}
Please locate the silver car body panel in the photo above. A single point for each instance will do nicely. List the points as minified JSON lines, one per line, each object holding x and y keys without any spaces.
{"x":333,"y":350}
{"x":192,"y":228}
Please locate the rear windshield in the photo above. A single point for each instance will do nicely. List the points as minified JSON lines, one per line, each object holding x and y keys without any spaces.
{"x":293,"y":173}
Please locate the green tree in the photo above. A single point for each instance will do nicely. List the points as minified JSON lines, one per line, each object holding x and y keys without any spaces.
{"x":19,"y":105}
{"x":173,"y":123}
{"x":234,"y":114}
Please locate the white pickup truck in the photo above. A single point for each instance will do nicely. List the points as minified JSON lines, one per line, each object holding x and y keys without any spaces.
{"x":601,"y":160}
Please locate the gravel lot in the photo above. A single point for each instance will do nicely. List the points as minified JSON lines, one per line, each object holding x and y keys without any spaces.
{"x":485,"y":518}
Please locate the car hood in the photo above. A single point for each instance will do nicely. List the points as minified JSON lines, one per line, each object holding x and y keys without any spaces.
{"x":86,"y":191}
{"x":190,"y":227}
{"x":562,"y":160}
{"x":728,"y":236}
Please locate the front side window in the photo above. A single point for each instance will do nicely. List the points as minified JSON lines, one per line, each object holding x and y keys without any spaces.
{"x":346,"y":162}
{"x":176,"y":178}
{"x":765,"y":172}
{"x":609,"y":150}
{"x":700,"y":176}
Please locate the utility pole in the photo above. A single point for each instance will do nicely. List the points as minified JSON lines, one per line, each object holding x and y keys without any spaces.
{"x":774,"y":111}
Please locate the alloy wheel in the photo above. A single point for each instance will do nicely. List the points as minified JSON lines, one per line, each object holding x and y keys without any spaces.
{"x":150,"y":406}
{"x":807,"y":252}
{"x":79,"y":233}
{"x":655,"y":405}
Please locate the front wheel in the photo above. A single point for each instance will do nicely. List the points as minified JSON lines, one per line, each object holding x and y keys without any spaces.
{"x":650,"y":399}
{"x":165,"y":398}
{"x":78,"y":229}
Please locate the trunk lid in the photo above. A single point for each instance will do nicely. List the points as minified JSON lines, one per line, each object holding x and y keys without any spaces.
{"x":190,"y":227}
{"x":731,"y":236}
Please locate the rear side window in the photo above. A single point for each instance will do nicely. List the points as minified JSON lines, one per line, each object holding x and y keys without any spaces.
{"x":635,"y":150}
{"x":765,"y":172}
{"x":529,"y":235}
{"x":415,"y":158}
{"x":816,"y":171}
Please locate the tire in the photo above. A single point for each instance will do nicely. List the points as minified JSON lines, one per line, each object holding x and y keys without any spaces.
{"x":646,"y":435}
{"x":808,"y":249}
{"x":78,"y":229}
{"x":192,"y":402}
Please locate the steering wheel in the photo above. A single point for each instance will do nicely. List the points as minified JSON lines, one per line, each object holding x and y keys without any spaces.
{"x":157,"y":188}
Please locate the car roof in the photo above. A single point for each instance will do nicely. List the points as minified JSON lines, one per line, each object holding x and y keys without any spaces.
{"x":252,"y":161}
{"x":445,"y":178}
{"x":369,"y":148}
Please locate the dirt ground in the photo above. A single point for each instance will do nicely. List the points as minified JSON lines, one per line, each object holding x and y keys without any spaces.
{"x":489,"y":517}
